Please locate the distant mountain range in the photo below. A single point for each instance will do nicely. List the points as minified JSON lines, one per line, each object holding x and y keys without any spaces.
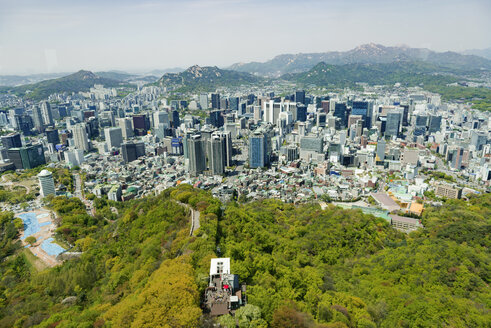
{"x":485,"y":53}
{"x":76,"y":82}
{"x":404,"y":72}
{"x":16,"y":80}
{"x":206,"y":78}
{"x":364,"y":54}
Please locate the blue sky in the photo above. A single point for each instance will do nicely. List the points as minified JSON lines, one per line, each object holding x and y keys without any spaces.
{"x":62,"y":36}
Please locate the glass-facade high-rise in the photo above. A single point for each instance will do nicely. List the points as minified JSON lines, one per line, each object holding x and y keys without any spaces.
{"x":341,"y":112}
{"x":258,"y":150}
{"x":362,"y":108}
{"x":393,"y":123}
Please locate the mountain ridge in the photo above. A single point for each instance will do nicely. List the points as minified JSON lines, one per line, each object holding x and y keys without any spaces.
{"x":82,"y":80}
{"x":363,"y":54}
{"x":206,"y":78}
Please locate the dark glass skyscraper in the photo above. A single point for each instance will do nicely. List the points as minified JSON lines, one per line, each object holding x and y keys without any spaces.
{"x":362,"y":108}
{"x":300,"y":96}
{"x":341,"y":112}
{"x":216,"y":118}
{"x":434,"y":124}
{"x":52,"y":136}
{"x":258,"y":150}
{"x":197,"y":158}
{"x":11,"y":140}
{"x":301,"y":113}
{"x":215,"y":101}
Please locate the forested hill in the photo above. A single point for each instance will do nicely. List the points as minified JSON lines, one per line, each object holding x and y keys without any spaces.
{"x":303,"y":266}
{"x":407,"y":73}
{"x":208,"y":78}
{"x":76,"y":82}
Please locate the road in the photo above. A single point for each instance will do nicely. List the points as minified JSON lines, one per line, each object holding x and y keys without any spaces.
{"x":77,"y":182}
{"x":194,"y":221}
{"x":194,"y":218}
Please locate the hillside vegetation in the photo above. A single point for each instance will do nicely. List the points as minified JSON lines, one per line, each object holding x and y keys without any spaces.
{"x":207,"y":79}
{"x":76,"y":82}
{"x":303,"y":266}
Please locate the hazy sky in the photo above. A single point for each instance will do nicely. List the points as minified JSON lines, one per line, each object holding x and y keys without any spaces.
{"x":67,"y":35}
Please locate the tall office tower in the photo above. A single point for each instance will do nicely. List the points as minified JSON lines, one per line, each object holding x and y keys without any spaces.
{"x":141,"y":124}
{"x":11,"y":140}
{"x":321,"y":119}
{"x":223,"y":103}
{"x":233,"y":103}
{"x":106,"y":119}
{"x":258,"y":150}
{"x":46,"y":113}
{"x":126,"y":125}
{"x":434,"y":123}
{"x":300,"y":96}
{"x":216,"y":118}
{"x":216,"y":154}
{"x":341,"y":112}
{"x":257,"y":114}
{"x":215,"y":101}
{"x":174,"y":119}
{"x":24,"y":123}
{"x":14,"y":155}
{"x":80,"y":137}
{"x":52,"y":136}
{"x":161,"y":117}
{"x":114,"y":137}
{"x":393,"y":123}
{"x":132,"y":151}
{"x":197,"y":158}
{"x":420,"y":124}
{"x":478,"y":139}
{"x":363,"y":108}
{"x":18,"y":111}
{"x":405,"y":115}
{"x":454,"y":157}
{"x":421,"y":121}
{"x":325,"y":106}
{"x":381,"y":144}
{"x":227,"y":146}
{"x":272,"y":111}
{"x":301,"y":113}
{"x":63,"y":111}
{"x":203,"y":101}
{"x":37,"y":118}
{"x":46,"y":183}
{"x":27,"y":157}
{"x":251,"y":98}
{"x":242,"y":109}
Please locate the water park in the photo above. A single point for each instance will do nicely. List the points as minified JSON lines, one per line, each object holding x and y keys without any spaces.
{"x":39,"y":224}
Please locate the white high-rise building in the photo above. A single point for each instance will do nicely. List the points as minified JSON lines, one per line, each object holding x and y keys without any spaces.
{"x":46,"y":113}
{"x":46,"y":183}
{"x":126,"y":125}
{"x":74,"y":157}
{"x":80,"y":137}
{"x":203,"y":101}
{"x":114,"y":137}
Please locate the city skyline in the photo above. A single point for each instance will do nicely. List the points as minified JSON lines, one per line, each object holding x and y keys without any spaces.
{"x":65,"y":37}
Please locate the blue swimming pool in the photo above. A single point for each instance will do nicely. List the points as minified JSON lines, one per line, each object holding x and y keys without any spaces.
{"x":51,"y":248}
{"x":31,"y":223}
